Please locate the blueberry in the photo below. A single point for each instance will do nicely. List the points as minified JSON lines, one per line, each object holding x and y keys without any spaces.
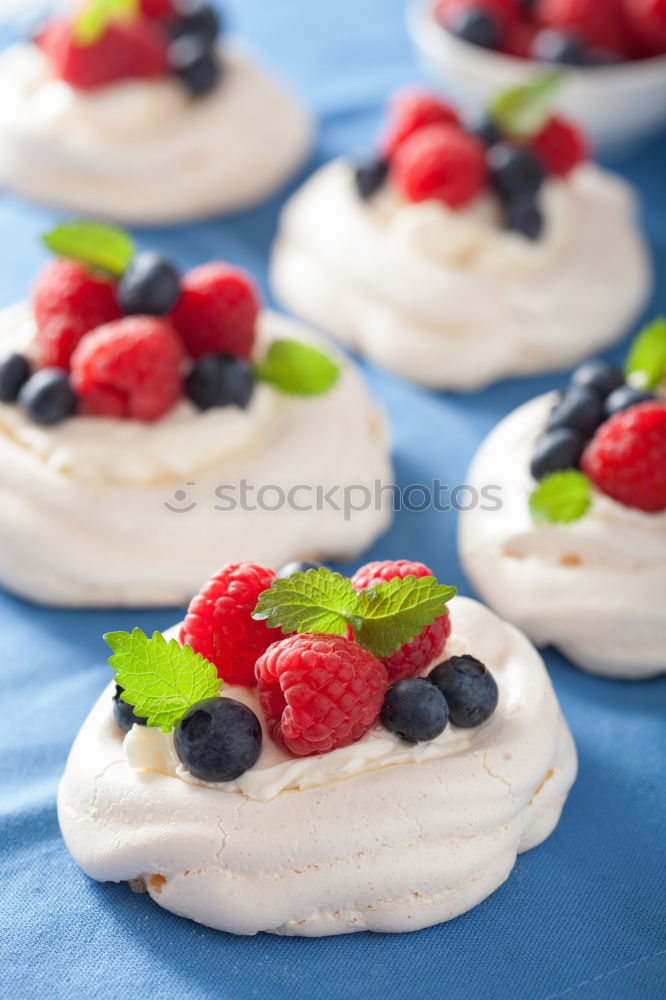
{"x":554,"y":46}
{"x":192,"y":17}
{"x":220,"y":380}
{"x":218,"y":739}
{"x":14,"y":373}
{"x":599,"y":375}
{"x":514,"y":171}
{"x":557,"y":449}
{"x":482,"y":128}
{"x":415,"y":710}
{"x":195,"y":64}
{"x":624,"y":397}
{"x":522,"y":215}
{"x":149,"y":287}
{"x":369,"y":176}
{"x":580,"y":408}
{"x":469,"y":688}
{"x":478,"y":26}
{"x":123,"y":712}
{"x":48,"y":396}
{"x":299,"y":566}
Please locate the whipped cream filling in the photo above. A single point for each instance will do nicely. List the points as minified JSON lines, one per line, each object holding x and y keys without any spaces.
{"x":142,"y":151}
{"x":103,"y":512}
{"x":450,"y":299}
{"x":593,"y":588}
{"x":379,"y":836}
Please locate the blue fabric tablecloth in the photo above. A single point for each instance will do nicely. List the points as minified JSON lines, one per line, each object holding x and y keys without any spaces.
{"x":581,"y":917}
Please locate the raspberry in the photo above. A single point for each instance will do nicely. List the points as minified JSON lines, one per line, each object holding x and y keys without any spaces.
{"x":411,"y":110}
{"x":319,"y":692}
{"x":441,"y":162}
{"x":139,"y":358}
{"x":103,"y":402}
{"x":219,"y":622}
{"x":217,"y":311}
{"x":626,"y":458}
{"x":519,"y":38}
{"x":159,"y":9}
{"x":414,"y":656}
{"x":647,"y":21}
{"x":127,"y":50}
{"x":599,"y":25}
{"x":67,"y":302}
{"x":560,"y":146}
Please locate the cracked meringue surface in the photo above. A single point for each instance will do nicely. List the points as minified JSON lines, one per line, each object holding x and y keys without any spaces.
{"x":381,"y":836}
{"x":99,"y":511}
{"x":448,"y":298}
{"x":143,"y":152}
{"x":593,"y":588}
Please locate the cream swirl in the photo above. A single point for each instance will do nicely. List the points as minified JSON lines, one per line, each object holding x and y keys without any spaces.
{"x":379,"y":836}
{"x":142,"y":151}
{"x":92,"y":513}
{"x":593,"y":588}
{"x":450,"y":299}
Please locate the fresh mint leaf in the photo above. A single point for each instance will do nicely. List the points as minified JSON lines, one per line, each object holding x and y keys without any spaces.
{"x":396,"y":612}
{"x":316,"y":601}
{"x":561,"y":498}
{"x":523,"y":111}
{"x":161,"y":679}
{"x":96,"y":15}
{"x":645,"y":367}
{"x":93,"y":243}
{"x":297,"y":369}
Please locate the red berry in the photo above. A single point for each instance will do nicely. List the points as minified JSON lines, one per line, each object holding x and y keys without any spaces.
{"x":103,"y":402}
{"x":626,"y":458}
{"x":68,"y":301}
{"x":411,"y":110}
{"x":319,"y":692}
{"x":217,"y":311}
{"x":647,"y":22}
{"x":125,"y":50}
{"x":560,"y":146}
{"x":159,"y":9}
{"x":139,"y":358}
{"x":598,"y":24}
{"x":412,"y":658}
{"x":519,"y":39}
{"x":440,"y":162}
{"x":220,"y":626}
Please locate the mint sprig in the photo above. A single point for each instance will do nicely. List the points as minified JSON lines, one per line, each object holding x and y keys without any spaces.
{"x":395,"y":612}
{"x":93,"y":243}
{"x":522,"y":111}
{"x":315,"y":601}
{"x":382,"y":618}
{"x":161,"y":679}
{"x":97,"y":15}
{"x":645,"y":367}
{"x":297,"y":369}
{"x":561,"y":498}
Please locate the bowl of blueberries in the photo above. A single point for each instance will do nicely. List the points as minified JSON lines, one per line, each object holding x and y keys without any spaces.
{"x":612,"y":54}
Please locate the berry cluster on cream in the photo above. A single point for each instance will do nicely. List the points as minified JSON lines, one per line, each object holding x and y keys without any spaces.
{"x":102,"y":43}
{"x":607,"y":430}
{"x":429,"y":152}
{"x":581,"y":33}
{"x":330,"y":658}
{"x":122,"y":334}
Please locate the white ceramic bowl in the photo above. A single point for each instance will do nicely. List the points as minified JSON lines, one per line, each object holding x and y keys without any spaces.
{"x":617,"y":105}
